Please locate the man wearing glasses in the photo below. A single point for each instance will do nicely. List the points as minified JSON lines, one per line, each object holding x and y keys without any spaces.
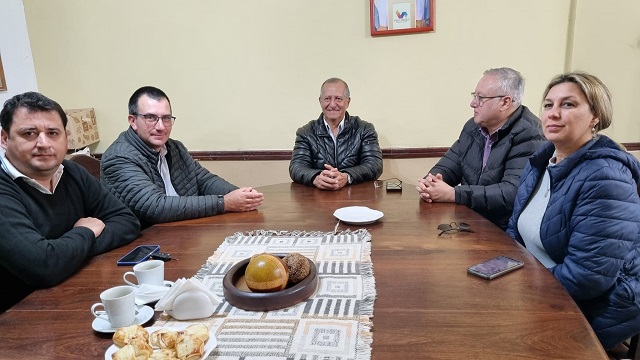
{"x":482,"y":168}
{"x":157,"y":177}
{"x":337,"y":149}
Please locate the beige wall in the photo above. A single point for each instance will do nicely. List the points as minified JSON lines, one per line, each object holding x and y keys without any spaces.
{"x":245,"y":74}
{"x":607,"y":43}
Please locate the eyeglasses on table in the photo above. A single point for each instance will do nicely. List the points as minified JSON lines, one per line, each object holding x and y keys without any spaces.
{"x":453,"y":227}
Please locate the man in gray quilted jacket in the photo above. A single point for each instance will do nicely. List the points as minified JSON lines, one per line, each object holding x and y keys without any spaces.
{"x":482,"y":168}
{"x":156,"y":177}
{"x":336,"y":149}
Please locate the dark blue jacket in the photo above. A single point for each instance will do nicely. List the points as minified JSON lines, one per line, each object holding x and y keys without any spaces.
{"x":490,"y":191}
{"x":591,"y":229}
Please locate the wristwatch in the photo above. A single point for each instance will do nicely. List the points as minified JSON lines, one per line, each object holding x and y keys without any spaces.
{"x":349,"y":179}
{"x":220,"y":204}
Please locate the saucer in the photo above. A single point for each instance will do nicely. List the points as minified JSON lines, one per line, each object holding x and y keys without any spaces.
{"x":358,"y":215}
{"x":145,"y":313}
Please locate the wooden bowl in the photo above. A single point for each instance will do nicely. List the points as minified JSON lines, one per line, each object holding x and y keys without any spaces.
{"x":237,"y":293}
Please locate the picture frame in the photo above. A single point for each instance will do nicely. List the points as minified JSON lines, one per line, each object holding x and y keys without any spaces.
{"x":3,"y":83}
{"x":396,"y":17}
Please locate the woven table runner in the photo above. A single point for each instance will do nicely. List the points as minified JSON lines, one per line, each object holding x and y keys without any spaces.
{"x":334,"y":323}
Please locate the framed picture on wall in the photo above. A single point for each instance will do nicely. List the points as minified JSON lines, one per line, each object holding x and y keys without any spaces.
{"x":3,"y":84}
{"x":393,"y":17}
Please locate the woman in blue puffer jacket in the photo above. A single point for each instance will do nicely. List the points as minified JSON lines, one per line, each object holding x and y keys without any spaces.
{"x":577,"y":208}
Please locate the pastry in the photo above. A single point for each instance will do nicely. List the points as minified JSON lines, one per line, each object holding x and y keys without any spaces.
{"x":199,"y":330}
{"x":132,"y":352}
{"x":164,"y":338}
{"x":142,"y":346}
{"x":164,"y":354}
{"x":123,"y":335}
{"x":189,"y":347}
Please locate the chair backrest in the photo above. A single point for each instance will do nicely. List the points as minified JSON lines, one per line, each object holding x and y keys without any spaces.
{"x":88,"y":162}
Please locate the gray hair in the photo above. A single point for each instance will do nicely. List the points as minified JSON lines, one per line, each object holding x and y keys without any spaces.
{"x":510,"y":82}
{"x":334,"y":80}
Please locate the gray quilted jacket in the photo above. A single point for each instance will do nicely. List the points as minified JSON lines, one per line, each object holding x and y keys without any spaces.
{"x":130,"y":169}
{"x":358,"y":152}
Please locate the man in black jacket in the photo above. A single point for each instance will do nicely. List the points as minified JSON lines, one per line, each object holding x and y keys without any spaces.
{"x":482,"y":168}
{"x":337,"y":149}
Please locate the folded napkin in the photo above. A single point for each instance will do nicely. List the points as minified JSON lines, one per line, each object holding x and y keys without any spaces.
{"x":146,"y":293}
{"x":188,"y":299}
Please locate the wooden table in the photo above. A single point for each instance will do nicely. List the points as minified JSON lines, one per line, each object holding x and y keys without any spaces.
{"x":427,"y":306}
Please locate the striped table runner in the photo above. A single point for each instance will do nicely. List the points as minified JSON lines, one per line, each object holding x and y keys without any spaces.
{"x":334,"y":323}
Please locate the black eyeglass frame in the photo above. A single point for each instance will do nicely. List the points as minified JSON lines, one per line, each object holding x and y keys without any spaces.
{"x":152,"y":119}
{"x":482,"y":99}
{"x":454,"y":226}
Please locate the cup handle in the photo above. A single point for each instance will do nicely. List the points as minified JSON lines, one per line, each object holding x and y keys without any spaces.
{"x":124,"y":277}
{"x":99,"y":314}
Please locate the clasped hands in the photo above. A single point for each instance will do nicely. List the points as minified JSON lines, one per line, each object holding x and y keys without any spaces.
{"x":433,"y":189}
{"x":243,"y":199}
{"x":330,"y":179}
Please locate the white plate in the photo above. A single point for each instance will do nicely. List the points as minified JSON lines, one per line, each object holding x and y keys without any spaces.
{"x":145,"y":313}
{"x":208,"y":347}
{"x":142,"y":299}
{"x":358,"y":215}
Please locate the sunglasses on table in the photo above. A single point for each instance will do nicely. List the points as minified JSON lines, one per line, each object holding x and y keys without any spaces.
{"x":454,"y":226}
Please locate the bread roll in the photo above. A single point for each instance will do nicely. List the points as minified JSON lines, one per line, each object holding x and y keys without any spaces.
{"x":189,"y":347}
{"x":123,"y":335}
{"x":164,"y":338}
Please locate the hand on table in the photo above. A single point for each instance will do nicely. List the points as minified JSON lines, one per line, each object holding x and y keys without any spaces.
{"x":243,"y":199}
{"x":330,"y":179}
{"x":433,"y":189}
{"x":93,"y":224}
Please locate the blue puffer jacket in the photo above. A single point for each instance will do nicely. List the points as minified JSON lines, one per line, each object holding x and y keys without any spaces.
{"x":591,"y":229}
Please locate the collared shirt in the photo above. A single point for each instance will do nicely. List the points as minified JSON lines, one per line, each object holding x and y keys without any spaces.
{"x":489,"y":140}
{"x":163,"y":168}
{"x":8,"y":167}
{"x":340,"y":127}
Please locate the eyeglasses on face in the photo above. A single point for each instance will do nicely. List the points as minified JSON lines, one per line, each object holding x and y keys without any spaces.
{"x":152,"y":119}
{"x":482,"y":99}
{"x":453,"y":226}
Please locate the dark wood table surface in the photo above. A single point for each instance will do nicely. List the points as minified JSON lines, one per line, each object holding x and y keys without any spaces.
{"x":427,"y":306}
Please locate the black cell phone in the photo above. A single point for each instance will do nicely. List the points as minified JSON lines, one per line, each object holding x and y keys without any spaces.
{"x":138,"y":255}
{"x":394,"y":185}
{"x":495,"y":267}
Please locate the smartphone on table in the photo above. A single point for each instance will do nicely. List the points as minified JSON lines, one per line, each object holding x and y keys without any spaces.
{"x":139,"y":254}
{"x":495,"y":267}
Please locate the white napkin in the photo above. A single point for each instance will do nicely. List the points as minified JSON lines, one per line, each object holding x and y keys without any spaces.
{"x":180,"y":286}
{"x":146,"y":293}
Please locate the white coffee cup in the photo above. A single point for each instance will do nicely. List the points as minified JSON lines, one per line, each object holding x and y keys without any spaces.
{"x":119,"y":305}
{"x":149,"y":272}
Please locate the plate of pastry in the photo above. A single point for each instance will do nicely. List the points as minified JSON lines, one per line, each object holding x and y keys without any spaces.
{"x":358,"y":215}
{"x":188,"y":341}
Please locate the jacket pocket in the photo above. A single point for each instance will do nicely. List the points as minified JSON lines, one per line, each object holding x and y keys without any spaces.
{"x":623,"y":295}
